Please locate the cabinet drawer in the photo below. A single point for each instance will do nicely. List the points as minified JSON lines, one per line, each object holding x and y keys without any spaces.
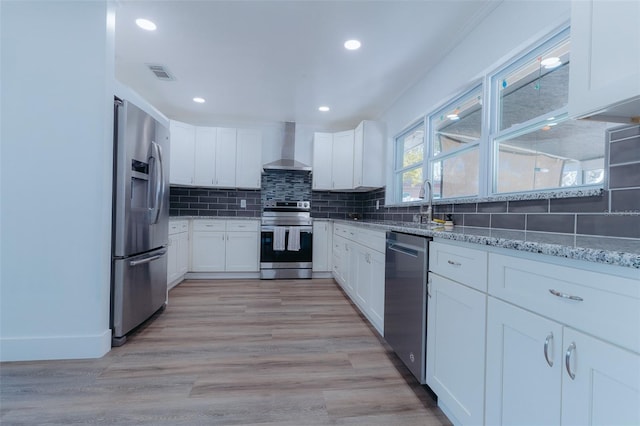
{"x":604,"y":305}
{"x":342,"y":231}
{"x":374,"y":240}
{"x":204,"y":225}
{"x":461,"y":264}
{"x":243,"y":226}
{"x":178,"y":226}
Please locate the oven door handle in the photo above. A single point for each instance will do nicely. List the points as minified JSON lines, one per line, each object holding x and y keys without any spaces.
{"x":269,"y":228}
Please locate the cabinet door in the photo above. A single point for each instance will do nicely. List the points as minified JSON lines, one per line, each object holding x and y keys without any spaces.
{"x":523,"y":378}
{"x":339,"y":256}
{"x":208,"y":252}
{"x":226,"y":157}
{"x":182,"y":153}
{"x":358,"y":154}
{"x":342,"y":160}
{"x":361,"y":277}
{"x":172,"y":259}
{"x":182,"y":253}
{"x":205,"y":156}
{"x":242,"y":251}
{"x":606,"y":385}
{"x":321,"y":245}
{"x":376,"y":299}
{"x":605,"y":64}
{"x":456,"y":348}
{"x":322,"y":160}
{"x":248,"y":159}
{"x":349,"y":268}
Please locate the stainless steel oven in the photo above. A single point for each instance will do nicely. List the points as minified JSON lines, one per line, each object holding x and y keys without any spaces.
{"x":286,"y":240}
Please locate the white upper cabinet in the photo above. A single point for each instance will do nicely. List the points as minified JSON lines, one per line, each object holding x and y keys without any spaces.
{"x":215,"y":156}
{"x":205,"y":156}
{"x":322,"y":151}
{"x":182,"y":153}
{"x":342,"y":160}
{"x":368,"y":155}
{"x":349,"y":160}
{"x":248,"y":159}
{"x":226,"y":157}
{"x":605,"y":63}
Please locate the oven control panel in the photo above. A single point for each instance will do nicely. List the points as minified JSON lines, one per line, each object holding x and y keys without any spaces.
{"x":293,"y":206}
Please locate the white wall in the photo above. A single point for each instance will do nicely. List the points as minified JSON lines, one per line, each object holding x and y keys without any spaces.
{"x":56,"y":149}
{"x":506,"y":32}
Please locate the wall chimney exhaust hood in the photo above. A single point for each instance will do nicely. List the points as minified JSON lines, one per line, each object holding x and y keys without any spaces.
{"x":287,"y":160}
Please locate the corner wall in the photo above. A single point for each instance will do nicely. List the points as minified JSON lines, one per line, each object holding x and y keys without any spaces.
{"x":56,"y":158}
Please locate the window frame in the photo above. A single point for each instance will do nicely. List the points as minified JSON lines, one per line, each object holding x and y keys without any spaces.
{"x":398,"y":171}
{"x":490,"y":136}
{"x":476,"y":86}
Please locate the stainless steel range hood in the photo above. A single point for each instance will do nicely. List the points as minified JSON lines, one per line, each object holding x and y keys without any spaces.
{"x":287,"y":160}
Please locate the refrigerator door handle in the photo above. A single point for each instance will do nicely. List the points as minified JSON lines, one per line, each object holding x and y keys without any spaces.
{"x":147,"y":259}
{"x":159,"y":188}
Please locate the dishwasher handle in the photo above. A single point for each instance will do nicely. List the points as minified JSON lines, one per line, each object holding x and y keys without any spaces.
{"x":404,"y":249}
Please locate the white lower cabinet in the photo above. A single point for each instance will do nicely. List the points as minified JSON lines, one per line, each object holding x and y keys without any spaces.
{"x":177,"y":252}
{"x":524,"y":367}
{"x":562,"y":343}
{"x":322,"y":245}
{"x":242,"y":248}
{"x":225,"y":246}
{"x":541,"y":372}
{"x":358,"y":266}
{"x":456,"y":348}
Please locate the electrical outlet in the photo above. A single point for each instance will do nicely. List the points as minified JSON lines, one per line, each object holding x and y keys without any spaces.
{"x":243,"y":204}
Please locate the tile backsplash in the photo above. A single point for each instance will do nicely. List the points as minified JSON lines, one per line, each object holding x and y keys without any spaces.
{"x":615,"y":212}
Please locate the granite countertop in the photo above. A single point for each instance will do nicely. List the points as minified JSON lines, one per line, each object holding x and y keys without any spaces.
{"x":611,"y":251}
{"x":213,"y":217}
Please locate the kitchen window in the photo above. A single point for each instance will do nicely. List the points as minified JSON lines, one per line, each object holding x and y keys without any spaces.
{"x":510,"y":134}
{"x":409,"y":163}
{"x":535,"y":144}
{"x":456,"y":132}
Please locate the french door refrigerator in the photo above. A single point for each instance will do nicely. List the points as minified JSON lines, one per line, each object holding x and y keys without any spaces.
{"x":140,"y":219}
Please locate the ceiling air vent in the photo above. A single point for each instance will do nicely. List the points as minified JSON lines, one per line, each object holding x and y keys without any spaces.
{"x":161,"y":72}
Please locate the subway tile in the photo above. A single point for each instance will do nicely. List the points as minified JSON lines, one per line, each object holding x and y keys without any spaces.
{"x":174,"y":212}
{"x":598,"y":204}
{"x":627,"y":151}
{"x":178,"y":190}
{"x":458,"y":219}
{"x":492,"y":207}
{"x":624,"y":176}
{"x":477,"y":219}
{"x":528,"y":206}
{"x":465,"y":208}
{"x":508,"y":221}
{"x":564,"y":223}
{"x":612,"y":225}
{"x":625,"y":200}
{"x":207,"y":199}
{"x":188,"y":212}
{"x":188,"y":199}
{"x":194,"y":192}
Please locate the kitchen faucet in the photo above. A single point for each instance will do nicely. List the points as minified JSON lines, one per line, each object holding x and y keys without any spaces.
{"x":422,"y":195}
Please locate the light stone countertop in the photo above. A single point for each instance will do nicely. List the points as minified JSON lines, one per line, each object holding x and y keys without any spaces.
{"x":606,"y":250}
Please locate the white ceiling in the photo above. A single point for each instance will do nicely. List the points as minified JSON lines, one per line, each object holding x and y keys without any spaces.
{"x":273,"y":61}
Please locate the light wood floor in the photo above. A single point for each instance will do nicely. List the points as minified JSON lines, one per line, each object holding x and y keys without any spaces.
{"x":230,"y":353}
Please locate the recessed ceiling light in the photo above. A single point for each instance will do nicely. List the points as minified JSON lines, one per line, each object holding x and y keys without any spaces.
{"x":324,"y":108}
{"x":551,"y":62}
{"x":352,"y":44}
{"x":145,"y":24}
{"x":198,"y":100}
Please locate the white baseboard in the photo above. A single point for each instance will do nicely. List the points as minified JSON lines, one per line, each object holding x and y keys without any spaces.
{"x":55,"y":347}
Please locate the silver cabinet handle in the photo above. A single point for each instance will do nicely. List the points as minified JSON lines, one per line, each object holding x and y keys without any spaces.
{"x":451,"y":262}
{"x":567,"y":360}
{"x":429,"y":288}
{"x":565,"y":295}
{"x":546,"y":349}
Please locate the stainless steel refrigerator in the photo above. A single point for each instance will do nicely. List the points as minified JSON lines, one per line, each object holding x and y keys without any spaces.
{"x":140,"y":218}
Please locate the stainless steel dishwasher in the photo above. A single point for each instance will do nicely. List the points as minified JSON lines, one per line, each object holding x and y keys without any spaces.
{"x":405,"y":299}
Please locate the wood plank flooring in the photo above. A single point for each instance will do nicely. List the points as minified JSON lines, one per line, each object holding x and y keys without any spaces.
{"x":233,"y":352}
